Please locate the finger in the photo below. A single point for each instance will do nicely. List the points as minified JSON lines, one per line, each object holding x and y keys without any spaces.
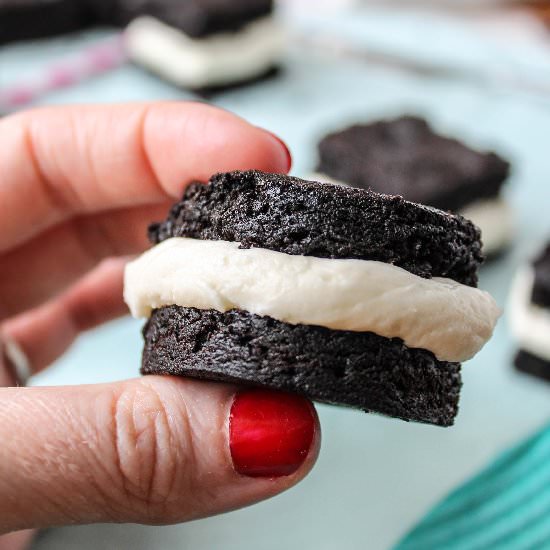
{"x":21,"y":540}
{"x":45,"y":333}
{"x":85,"y":159}
{"x":157,"y":450}
{"x":47,"y":264}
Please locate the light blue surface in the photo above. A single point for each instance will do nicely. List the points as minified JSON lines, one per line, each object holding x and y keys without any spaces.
{"x":375,"y":476}
{"x":505,"y":507}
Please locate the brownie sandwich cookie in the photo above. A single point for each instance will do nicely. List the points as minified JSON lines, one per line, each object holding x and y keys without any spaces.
{"x":530,"y":316}
{"x":32,"y":19}
{"x":206,"y":45}
{"x":406,"y":157}
{"x":202,"y":45}
{"x":343,"y":295}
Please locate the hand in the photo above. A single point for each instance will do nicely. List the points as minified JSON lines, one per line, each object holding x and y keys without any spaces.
{"x":78,"y":187}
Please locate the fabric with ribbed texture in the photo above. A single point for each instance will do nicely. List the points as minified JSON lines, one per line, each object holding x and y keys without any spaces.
{"x":506,"y":506}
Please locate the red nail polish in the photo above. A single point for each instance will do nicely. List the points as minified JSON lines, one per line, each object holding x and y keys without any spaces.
{"x":285,"y":148}
{"x":270,"y":433}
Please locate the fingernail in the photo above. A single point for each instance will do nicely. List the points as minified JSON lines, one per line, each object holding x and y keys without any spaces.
{"x":270,"y":433}
{"x":287,"y":156}
{"x":16,"y":360}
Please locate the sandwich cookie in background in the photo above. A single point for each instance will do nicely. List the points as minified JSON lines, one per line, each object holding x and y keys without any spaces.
{"x":207,"y":45}
{"x":530,"y":316}
{"x":343,"y":295}
{"x":201,"y":45}
{"x":404,"y":156}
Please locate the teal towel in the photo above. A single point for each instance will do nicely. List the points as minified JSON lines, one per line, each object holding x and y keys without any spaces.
{"x":506,"y":506}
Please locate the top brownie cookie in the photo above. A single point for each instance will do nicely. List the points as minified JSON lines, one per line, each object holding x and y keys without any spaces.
{"x":294,"y":216}
{"x":541,"y":287}
{"x":29,"y":19}
{"x":197,"y":18}
{"x":406,"y":157}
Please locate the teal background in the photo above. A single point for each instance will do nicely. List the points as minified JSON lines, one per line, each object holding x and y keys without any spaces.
{"x":376,"y":477}
{"x":506,"y":506}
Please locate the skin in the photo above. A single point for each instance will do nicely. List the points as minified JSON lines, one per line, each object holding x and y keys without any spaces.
{"x":78,"y":187}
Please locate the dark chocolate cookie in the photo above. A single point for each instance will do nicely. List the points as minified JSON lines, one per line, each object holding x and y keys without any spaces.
{"x":406,"y":157}
{"x":33,"y":19}
{"x":541,"y":287}
{"x":361,"y":370}
{"x":533,"y":365}
{"x":208,"y":92}
{"x":298,"y":217}
{"x":196,"y":18}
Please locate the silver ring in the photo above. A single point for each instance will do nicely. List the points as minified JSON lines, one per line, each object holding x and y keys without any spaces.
{"x":16,"y":360}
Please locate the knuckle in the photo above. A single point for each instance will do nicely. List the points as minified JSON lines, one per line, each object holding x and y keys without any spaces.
{"x":149,"y":451}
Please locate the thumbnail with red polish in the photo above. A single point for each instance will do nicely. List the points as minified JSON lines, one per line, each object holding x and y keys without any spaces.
{"x":270,"y":433}
{"x":285,"y":149}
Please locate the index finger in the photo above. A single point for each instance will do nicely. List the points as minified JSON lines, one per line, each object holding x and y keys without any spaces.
{"x":56,"y":163}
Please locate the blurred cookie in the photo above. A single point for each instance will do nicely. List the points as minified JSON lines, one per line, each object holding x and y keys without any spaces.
{"x":406,"y":157}
{"x":33,"y":19}
{"x":343,"y":295}
{"x":197,"y":18}
{"x":203,"y":45}
{"x":530,"y":316}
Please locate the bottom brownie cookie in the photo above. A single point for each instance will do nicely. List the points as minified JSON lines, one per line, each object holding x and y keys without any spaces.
{"x":209,"y":91}
{"x":361,"y":370}
{"x":533,"y":365}
{"x":273,"y":72}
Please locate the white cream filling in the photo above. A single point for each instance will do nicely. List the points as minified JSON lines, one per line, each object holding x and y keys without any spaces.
{"x":530,"y":323}
{"x":217,"y":59}
{"x":450,"y":319}
{"x":495,"y":219}
{"x":493,"y":216}
{"x":323,"y":178}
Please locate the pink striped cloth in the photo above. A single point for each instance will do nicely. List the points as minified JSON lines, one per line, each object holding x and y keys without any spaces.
{"x":93,"y":61}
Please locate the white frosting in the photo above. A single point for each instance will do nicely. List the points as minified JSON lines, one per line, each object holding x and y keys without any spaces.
{"x":493,"y":216}
{"x":217,"y":59}
{"x":323,"y":178}
{"x":530,"y":323}
{"x":452,"y":320}
{"x":495,"y":219}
